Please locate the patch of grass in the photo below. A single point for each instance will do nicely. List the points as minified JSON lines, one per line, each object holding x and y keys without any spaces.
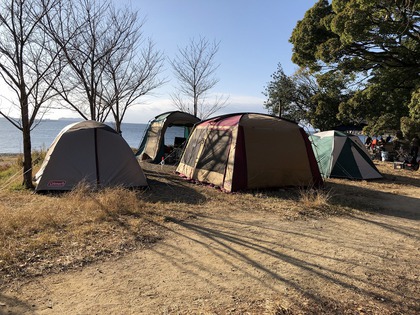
{"x":8,"y":167}
{"x":11,"y":169}
{"x":76,"y":225}
{"x":315,"y":198}
{"x":6,"y":171}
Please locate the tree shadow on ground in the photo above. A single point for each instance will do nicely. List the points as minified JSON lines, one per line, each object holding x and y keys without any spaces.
{"x":14,"y":306}
{"x":228,"y":242}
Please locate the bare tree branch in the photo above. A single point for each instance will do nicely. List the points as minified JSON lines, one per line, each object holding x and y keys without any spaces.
{"x":27,"y":57}
{"x":90,"y":33}
{"x":130,"y":72}
{"x":194,"y":68}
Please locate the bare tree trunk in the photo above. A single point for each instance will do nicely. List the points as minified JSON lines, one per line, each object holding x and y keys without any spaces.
{"x":27,"y":159}
{"x":28,"y":59}
{"x":27,"y":147}
{"x":195,"y":103}
{"x":117,"y":117}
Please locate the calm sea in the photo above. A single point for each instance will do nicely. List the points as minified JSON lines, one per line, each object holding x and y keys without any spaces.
{"x":44,"y":134}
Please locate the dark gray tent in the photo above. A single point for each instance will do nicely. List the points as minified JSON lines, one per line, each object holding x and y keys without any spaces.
{"x":152,"y":147}
{"x":92,"y":152}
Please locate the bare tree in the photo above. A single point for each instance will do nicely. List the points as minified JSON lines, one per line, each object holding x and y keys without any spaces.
{"x":194,"y":68}
{"x":130,"y":73}
{"x":27,"y":66}
{"x":90,"y":33}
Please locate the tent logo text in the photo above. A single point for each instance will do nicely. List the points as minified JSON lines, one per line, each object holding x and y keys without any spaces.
{"x":56,"y":183}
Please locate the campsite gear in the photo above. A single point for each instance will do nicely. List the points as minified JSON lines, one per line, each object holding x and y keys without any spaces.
{"x":398,"y":165}
{"x":249,"y":151}
{"x":90,"y":152}
{"x":152,"y":147}
{"x":406,"y":165}
{"x":384,"y":156}
{"x":409,"y":162}
{"x":414,"y":166}
{"x":343,"y":156}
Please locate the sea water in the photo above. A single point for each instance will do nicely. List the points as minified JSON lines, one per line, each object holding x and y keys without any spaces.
{"x":45,"y":132}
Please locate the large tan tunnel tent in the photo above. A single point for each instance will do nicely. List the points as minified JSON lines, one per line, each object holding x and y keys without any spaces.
{"x":92,"y":152}
{"x":152,"y":147}
{"x":249,"y":151}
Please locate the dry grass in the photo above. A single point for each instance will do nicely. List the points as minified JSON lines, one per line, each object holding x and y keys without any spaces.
{"x":9,"y":169}
{"x":44,"y":232}
{"x":314,"y":198}
{"x":51,"y":233}
{"x":40,"y":233}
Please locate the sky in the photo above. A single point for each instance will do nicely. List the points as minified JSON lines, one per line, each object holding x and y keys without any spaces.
{"x":254,"y":39}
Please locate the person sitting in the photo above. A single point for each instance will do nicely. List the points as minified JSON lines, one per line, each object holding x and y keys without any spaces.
{"x":374,"y":143}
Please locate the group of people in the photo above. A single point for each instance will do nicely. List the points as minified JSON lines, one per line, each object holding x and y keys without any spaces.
{"x":374,"y":144}
{"x":377,"y":142}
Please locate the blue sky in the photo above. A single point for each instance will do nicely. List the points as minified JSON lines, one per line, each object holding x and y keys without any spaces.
{"x":253,"y":35}
{"x":254,"y":38}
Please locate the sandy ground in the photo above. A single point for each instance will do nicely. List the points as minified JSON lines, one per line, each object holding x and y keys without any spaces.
{"x":249,"y":262}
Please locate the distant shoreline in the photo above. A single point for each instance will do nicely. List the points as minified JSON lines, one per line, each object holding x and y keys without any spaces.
{"x":45,"y":133}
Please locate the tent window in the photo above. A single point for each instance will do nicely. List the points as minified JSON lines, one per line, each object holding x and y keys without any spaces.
{"x":172,"y":133}
{"x":192,"y":149}
{"x":216,"y":151}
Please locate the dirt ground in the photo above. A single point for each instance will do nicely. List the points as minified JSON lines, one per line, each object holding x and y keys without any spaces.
{"x":250,"y":261}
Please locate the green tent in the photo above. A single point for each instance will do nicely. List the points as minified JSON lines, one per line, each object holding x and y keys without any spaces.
{"x":342,"y":155}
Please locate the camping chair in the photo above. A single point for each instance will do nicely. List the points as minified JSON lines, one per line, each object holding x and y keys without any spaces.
{"x":179,"y":144}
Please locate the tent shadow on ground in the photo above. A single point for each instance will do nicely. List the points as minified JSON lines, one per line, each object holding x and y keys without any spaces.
{"x":164,"y":187}
{"x":14,"y":306}
{"x":384,"y":202}
{"x":402,"y":179}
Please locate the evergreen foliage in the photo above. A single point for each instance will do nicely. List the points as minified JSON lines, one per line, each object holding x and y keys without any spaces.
{"x":375,"y":47}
